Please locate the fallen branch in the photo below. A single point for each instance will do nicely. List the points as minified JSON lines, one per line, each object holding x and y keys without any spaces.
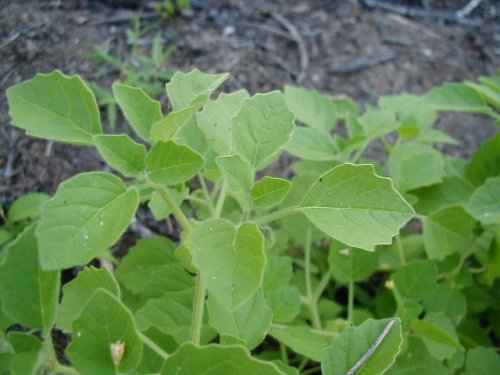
{"x":363,"y":63}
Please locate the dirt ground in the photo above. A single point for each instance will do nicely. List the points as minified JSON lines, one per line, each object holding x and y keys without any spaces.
{"x":337,"y":47}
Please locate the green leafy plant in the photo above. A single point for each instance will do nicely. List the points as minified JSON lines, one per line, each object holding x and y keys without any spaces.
{"x":316,"y":274}
{"x":134,"y":67}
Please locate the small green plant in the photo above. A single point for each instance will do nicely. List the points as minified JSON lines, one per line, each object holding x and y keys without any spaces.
{"x":138,"y":69}
{"x":317,"y":274}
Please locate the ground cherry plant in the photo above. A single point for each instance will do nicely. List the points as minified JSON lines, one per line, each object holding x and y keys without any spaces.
{"x":351,"y":266}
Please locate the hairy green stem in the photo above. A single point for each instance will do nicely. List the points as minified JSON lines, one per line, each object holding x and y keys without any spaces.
{"x":311,"y":303}
{"x":321,"y":286}
{"x":275,"y":215}
{"x":220,"y":201}
{"x":401,"y":253}
{"x":179,"y":215}
{"x":153,"y":346}
{"x":206,"y":194}
{"x":350,"y":303}
{"x":284,"y":354}
{"x":198,"y":307}
{"x":56,"y":367}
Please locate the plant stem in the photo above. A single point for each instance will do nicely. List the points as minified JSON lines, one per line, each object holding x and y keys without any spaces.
{"x":321,"y":286}
{"x":220,"y":201}
{"x":275,"y":215}
{"x":198,"y":307}
{"x":303,"y":364}
{"x":208,"y":198}
{"x":401,"y":253}
{"x":152,"y":345}
{"x":311,"y":303}
{"x":284,"y":354}
{"x":358,"y":154}
{"x":56,"y":367}
{"x":350,"y":303}
{"x":179,"y":215}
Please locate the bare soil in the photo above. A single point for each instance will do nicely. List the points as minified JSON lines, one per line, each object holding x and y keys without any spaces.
{"x":336,"y":47}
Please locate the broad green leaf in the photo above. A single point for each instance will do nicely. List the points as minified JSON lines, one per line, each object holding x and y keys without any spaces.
{"x":447,"y":231}
{"x":29,"y":295}
{"x":353,"y":205}
{"x":278,"y":272}
{"x":170,"y":163}
{"x":78,"y":292}
{"x":104,"y":324}
{"x":480,"y":360}
{"x":410,"y":110}
{"x":88,"y":214}
{"x":304,"y":340}
{"x":152,"y":265}
{"x":453,"y":191}
{"x":415,"y":281}
{"x":28,"y":354}
{"x":216,"y":360}
{"x":431,"y":135}
{"x":378,"y":122}
{"x":170,"y":125}
{"x":414,"y":166}
{"x":284,"y":303}
{"x":139,"y":109}
{"x":484,"y":203}
{"x":370,"y":349}
{"x":160,"y":209}
{"x":487,"y":93}
{"x":348,"y":264}
{"x":239,"y":176}
{"x":311,"y":144}
{"x":456,"y":97}
{"x":485,"y":162}
{"x":416,"y":360}
{"x":184,"y":88}
{"x":262,"y":127}
{"x":270,"y":191}
{"x":122,"y":153}
{"x":287,"y":370}
{"x":310,"y":107}
{"x":248,"y":322}
{"x":449,"y":300}
{"x":151,"y":362}
{"x":172,"y":314}
{"x":231,"y":260}
{"x":26,"y":207}
{"x":215,"y":120}
{"x":345,"y":107}
{"x":55,"y":106}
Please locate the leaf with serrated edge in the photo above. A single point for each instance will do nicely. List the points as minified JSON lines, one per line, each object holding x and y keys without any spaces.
{"x":369,"y":349}
{"x":170,"y":163}
{"x":122,"y":153}
{"x":262,"y":127}
{"x":352,"y":204}
{"x":214,"y":360}
{"x":231,"y":260}
{"x":104,"y":321}
{"x":184,"y":88}
{"x":88,"y":214}
{"x":29,"y":295}
{"x":139,"y":109}
{"x":55,"y":106}
{"x":78,"y":291}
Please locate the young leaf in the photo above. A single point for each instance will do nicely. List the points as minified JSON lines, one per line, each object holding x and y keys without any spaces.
{"x":166,"y":128}
{"x":29,"y":295}
{"x":311,"y":144}
{"x":104,"y":337}
{"x":370,"y":349}
{"x":485,"y":162}
{"x":270,"y":191}
{"x":484,"y":203}
{"x":261,"y":127}
{"x":351,"y":264}
{"x":215,"y":359}
{"x":171,"y":164}
{"x":353,"y":205}
{"x":28,"y":354}
{"x":139,"y":109}
{"x":78,"y":292}
{"x":413,"y":166}
{"x":303,"y":340}
{"x":415,"y":281}
{"x":447,"y":232}
{"x":248,"y":322}
{"x":55,"y":106}
{"x":215,"y":120}
{"x":311,"y":108}
{"x":122,"y":153}
{"x":239,"y":177}
{"x":26,"y":207}
{"x":86,"y":216}
{"x":231,"y":260}
{"x":184,"y":88}
{"x":456,"y":97}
